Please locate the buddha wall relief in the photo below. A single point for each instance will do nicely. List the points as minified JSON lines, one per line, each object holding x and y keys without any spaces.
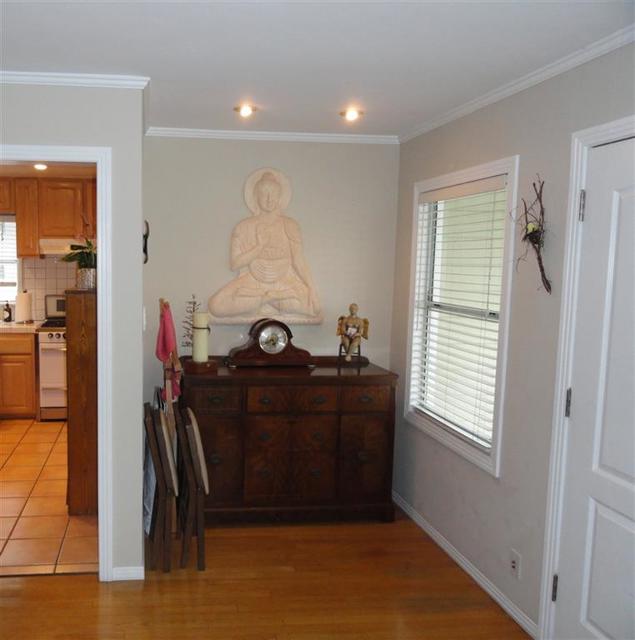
{"x":273,"y":278}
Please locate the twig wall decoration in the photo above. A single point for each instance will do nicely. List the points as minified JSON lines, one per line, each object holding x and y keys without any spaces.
{"x":533,"y":221}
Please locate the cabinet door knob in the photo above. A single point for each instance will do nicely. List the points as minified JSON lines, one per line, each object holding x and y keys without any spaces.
{"x":266,"y":400}
{"x":318,"y":436}
{"x":264,"y":436}
{"x":264,"y":473}
{"x":365,"y":399}
{"x":216,"y":399}
{"x":363,"y":456}
{"x":319,"y":400}
{"x":215,"y":459}
{"x":316,"y":473}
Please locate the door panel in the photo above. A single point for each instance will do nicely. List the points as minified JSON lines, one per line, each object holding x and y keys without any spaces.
{"x":597,"y":562}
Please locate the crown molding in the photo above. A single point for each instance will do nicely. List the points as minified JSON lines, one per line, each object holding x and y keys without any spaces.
{"x":104,"y":81}
{"x":269,"y":136}
{"x":599,"y":48}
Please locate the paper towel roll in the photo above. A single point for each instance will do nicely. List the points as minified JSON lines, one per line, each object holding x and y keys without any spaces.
{"x":24,"y":307}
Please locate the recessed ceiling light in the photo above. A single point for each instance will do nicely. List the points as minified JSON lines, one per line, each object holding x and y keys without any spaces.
{"x":40,"y":167}
{"x":245,"y":110}
{"x":351,"y":114}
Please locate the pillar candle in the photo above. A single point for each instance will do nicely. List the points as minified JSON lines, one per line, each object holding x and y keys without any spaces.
{"x":200,"y":330}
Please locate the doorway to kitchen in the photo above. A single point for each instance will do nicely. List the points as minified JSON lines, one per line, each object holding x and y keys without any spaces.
{"x":19,"y":435}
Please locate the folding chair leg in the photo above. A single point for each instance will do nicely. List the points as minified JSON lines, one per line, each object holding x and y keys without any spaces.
{"x":167,"y":537}
{"x":200,"y":530}
{"x":188,"y":530}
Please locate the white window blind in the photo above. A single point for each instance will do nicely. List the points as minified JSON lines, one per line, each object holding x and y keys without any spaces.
{"x":8,"y":259}
{"x":458,"y":279}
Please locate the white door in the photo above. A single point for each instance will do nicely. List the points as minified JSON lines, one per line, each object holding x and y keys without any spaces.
{"x":596,"y":568}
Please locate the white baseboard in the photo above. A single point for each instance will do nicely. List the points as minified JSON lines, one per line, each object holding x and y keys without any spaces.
{"x":515,"y":612}
{"x":128,"y":573}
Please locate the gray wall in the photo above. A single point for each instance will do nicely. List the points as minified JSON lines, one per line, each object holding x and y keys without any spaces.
{"x":344,"y":198}
{"x":72,"y":116}
{"x":481,"y":516}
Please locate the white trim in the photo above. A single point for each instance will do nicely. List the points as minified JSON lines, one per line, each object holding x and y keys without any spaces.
{"x":128,"y":573}
{"x":102,"y":156}
{"x":581,"y":142}
{"x":483,"y":581}
{"x":103,"y":81}
{"x":488,"y":461}
{"x":599,"y":48}
{"x":269,"y":136}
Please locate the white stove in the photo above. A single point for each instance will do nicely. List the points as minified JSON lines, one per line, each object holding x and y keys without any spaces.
{"x":52,"y":362}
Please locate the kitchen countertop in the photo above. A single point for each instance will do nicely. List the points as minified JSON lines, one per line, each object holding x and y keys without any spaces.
{"x":19,"y":327}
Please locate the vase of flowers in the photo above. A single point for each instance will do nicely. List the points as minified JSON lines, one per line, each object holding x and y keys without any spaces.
{"x":86,"y":257}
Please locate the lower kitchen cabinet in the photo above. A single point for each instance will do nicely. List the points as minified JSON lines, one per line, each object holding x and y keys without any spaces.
{"x":18,"y":398}
{"x":296,"y":444}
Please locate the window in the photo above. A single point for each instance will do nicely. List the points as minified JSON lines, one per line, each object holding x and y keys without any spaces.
{"x":462,"y":251}
{"x":8,"y":259}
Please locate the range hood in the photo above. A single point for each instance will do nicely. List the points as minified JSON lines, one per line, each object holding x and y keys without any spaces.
{"x":56,"y":246}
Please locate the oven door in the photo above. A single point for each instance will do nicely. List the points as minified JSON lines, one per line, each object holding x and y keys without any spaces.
{"x":52,"y":375}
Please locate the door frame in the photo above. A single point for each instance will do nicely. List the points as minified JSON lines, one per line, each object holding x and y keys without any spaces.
{"x":102,"y":157}
{"x":582,"y":142}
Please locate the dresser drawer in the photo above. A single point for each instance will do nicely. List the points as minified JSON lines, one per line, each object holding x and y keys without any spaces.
{"x":370,"y":398}
{"x":314,"y":433}
{"x":267,"y":433}
{"x":214,"y":399}
{"x":315,"y":399}
{"x":269,"y":400}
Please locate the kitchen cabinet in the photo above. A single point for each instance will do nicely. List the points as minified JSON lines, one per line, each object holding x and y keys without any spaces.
{"x":26,"y":217}
{"x":60,"y":208}
{"x":18,"y":398}
{"x":6,"y":195}
{"x":296,"y":443}
{"x":81,"y":368}
{"x":89,"y":213}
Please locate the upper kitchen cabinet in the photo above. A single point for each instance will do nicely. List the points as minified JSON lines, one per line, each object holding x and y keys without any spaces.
{"x":89,"y":214}
{"x":61,"y":208}
{"x":6,"y":195}
{"x":26,"y":216}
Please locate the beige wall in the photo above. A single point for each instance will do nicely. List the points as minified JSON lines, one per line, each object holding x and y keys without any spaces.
{"x":69,"y":116}
{"x":481,"y":516}
{"x":344,"y":198}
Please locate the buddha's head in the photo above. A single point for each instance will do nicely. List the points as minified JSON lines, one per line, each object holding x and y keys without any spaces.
{"x":268,"y":192}
{"x":353,"y":309}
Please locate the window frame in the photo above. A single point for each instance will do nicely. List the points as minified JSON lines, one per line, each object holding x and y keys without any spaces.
{"x":17,"y":260}
{"x":487,"y":459}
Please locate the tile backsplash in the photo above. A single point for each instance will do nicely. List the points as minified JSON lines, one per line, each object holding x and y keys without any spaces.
{"x":45,"y":276}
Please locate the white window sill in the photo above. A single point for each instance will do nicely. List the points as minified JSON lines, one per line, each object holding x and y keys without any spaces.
{"x":484,"y":459}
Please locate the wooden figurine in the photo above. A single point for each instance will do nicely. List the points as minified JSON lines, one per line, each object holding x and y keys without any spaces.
{"x":351,"y":330}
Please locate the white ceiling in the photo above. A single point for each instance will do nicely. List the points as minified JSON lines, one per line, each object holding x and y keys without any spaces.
{"x":404,"y":64}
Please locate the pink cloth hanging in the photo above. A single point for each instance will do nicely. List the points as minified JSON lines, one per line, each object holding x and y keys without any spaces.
{"x":166,"y":349}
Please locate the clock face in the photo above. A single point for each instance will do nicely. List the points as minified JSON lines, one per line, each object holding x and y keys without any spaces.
{"x":272,"y":339}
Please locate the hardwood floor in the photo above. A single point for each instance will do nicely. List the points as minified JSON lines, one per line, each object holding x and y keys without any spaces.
{"x":319,"y":582}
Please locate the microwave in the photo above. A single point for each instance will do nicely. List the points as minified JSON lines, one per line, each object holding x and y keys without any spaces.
{"x":55,"y":306}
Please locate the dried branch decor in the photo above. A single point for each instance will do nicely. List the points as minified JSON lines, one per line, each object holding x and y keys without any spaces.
{"x":533,"y":221}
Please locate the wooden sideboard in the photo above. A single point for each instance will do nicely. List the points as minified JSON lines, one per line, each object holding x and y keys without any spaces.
{"x":296,"y":443}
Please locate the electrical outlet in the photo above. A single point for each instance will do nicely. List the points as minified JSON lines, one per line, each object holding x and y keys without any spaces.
{"x":515,"y":563}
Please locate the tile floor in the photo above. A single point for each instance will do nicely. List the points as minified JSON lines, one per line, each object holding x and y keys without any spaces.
{"x":37,"y":536}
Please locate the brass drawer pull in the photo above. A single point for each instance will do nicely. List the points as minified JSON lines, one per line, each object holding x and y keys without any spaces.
{"x":318,"y":436}
{"x":264,"y":473}
{"x":216,"y":399}
{"x":319,"y":400}
{"x":215,"y":459}
{"x":363,"y":456}
{"x":316,"y":473}
{"x":264,"y":437}
{"x":265,"y":400}
{"x":365,"y":399}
